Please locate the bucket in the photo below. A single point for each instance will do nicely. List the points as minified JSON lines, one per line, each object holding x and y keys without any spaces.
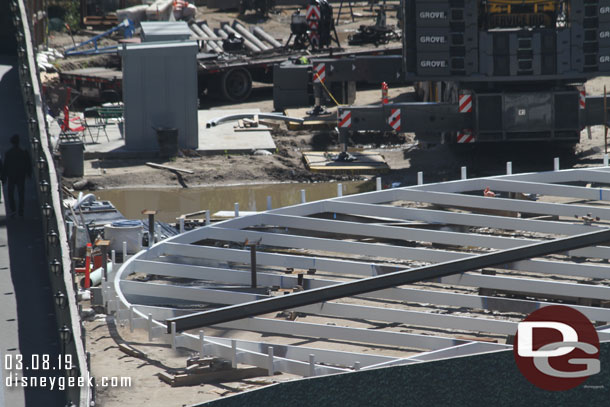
{"x":129,"y":231}
{"x":168,"y":141}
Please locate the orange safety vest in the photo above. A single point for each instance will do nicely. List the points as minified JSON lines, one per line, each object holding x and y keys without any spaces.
{"x":180,"y":4}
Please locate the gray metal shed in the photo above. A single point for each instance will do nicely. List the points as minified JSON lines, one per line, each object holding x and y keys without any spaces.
{"x":160,"y":91}
{"x":157,"y":31}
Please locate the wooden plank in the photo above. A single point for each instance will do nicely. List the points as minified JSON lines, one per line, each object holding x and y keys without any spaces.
{"x":311,"y":122}
{"x":366,"y":162}
{"x":125,"y":348}
{"x":167,"y":167}
{"x":250,"y":129}
{"x":221,"y":376}
{"x":231,"y":214}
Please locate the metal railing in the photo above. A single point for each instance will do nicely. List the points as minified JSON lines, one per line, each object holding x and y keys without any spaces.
{"x":70,"y":329}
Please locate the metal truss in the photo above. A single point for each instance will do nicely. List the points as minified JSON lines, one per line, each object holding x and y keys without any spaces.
{"x":377,"y":279}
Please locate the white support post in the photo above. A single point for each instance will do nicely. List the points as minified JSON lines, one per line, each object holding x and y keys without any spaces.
{"x":201,"y":344}
{"x":207,"y":217}
{"x":509,"y":168}
{"x":339,"y":189}
{"x":556,"y":164}
{"x":181,"y":224}
{"x":378,"y":184}
{"x":117,"y":308}
{"x":113,"y":258}
{"x":420,"y":178}
{"x":270,"y":368}
{"x":605,"y":160}
{"x":269,"y":206}
{"x":124,"y":252}
{"x":131,"y":318}
{"x":233,"y":353}
{"x":464,"y":173}
{"x":312,"y":365}
{"x":303,"y":199}
{"x":356,"y":366}
{"x":173,"y":336}
{"x":237,"y":209}
{"x":150,"y":327}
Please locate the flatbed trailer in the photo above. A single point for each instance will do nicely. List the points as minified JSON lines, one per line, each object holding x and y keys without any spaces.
{"x":94,"y":83}
{"x":227,"y":75}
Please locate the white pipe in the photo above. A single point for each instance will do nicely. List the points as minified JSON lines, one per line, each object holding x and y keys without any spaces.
{"x":267,"y":116}
{"x":265,"y":37}
{"x":84,"y":199}
{"x":217,"y":45}
{"x":247,"y":42}
{"x":249,"y":36}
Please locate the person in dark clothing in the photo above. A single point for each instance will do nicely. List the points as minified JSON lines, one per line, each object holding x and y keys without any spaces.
{"x":15,"y":170}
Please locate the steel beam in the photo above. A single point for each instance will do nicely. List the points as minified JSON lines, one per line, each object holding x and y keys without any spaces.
{"x":292,"y":352}
{"x":413,"y":295}
{"x":352,"y":311}
{"x":393,"y":232}
{"x":528,"y":286}
{"x":280,"y":327}
{"x":452,"y":218}
{"x":341,"y":290}
{"x":473,"y":348}
{"x":273,"y":259}
{"x":334,"y":246}
{"x":501,"y":204}
{"x":593,"y":194}
{"x":414,"y":234}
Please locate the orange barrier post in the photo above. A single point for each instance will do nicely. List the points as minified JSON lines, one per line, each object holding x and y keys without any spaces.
{"x":384,"y":93}
{"x":88,"y":266}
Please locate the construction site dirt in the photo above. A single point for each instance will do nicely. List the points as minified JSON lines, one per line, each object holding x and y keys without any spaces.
{"x":403,"y":153}
{"x":118,"y":351}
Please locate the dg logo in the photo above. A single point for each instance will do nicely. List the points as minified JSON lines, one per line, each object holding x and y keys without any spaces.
{"x":557,"y":348}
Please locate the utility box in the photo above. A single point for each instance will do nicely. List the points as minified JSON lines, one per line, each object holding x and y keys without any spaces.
{"x":161,"y":31}
{"x":160,"y":91}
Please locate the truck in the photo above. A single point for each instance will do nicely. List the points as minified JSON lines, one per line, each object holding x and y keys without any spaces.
{"x":228,"y":76}
{"x":484,"y":71}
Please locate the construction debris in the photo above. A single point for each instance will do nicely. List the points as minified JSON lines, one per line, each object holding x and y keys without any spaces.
{"x":167,"y":167}
{"x":208,"y":375}
{"x":362,"y":162}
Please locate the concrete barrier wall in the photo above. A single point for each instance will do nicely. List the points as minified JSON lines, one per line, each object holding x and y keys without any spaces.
{"x":49,"y":190}
{"x":483,"y":380}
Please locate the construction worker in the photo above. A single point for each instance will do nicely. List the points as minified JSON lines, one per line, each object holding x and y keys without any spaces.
{"x":183,"y":10}
{"x":489,"y":193}
{"x":16,"y":169}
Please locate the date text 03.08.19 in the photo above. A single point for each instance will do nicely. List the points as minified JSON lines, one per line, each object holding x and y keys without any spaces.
{"x":34,"y":362}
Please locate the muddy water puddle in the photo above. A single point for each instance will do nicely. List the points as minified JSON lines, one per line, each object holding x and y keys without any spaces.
{"x":171,"y":203}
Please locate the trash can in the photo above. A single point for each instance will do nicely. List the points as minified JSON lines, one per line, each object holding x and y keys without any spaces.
{"x":168,"y":141}
{"x":73,"y":158}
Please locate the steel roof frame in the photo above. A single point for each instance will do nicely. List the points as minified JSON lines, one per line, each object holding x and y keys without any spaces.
{"x":343,"y":251}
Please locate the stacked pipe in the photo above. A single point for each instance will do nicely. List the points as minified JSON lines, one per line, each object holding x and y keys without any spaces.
{"x":249,"y":36}
{"x":249,"y":44}
{"x":260,"y":33}
{"x":256,"y":40}
{"x":212,"y":42}
{"x":216,"y":45}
